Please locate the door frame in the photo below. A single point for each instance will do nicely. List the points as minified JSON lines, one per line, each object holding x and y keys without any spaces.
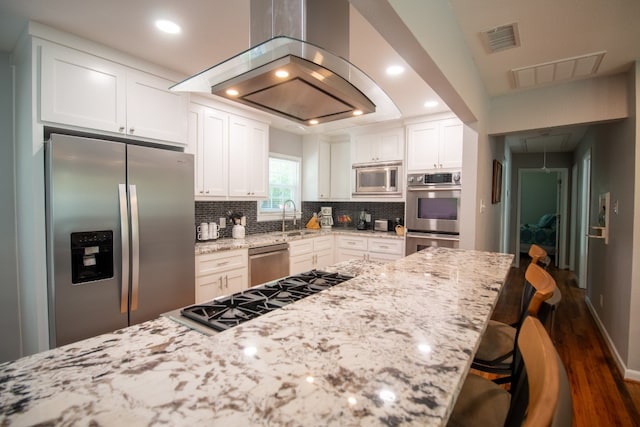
{"x":583,"y":227}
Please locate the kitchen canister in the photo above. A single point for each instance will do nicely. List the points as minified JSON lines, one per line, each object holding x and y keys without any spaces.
{"x":237,"y":232}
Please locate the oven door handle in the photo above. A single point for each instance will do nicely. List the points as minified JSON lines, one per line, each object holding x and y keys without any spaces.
{"x":433,"y":236}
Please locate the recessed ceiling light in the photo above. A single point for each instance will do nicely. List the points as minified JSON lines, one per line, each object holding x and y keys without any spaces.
{"x":167,"y":26}
{"x":431,"y":104}
{"x":357,"y":112}
{"x":395,"y":70}
{"x":232,"y":92}
{"x":283,"y":74}
{"x":313,"y":122}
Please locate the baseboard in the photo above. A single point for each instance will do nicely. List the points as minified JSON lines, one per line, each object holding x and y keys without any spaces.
{"x":627,"y":374}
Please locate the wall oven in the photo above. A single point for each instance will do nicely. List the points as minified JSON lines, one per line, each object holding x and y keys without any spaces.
{"x":433,"y":210}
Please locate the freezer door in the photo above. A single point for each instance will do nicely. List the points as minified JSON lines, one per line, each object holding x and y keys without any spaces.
{"x":83,"y":221}
{"x":162,"y":229}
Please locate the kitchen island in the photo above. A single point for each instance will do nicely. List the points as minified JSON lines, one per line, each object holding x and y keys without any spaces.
{"x":390,"y":347}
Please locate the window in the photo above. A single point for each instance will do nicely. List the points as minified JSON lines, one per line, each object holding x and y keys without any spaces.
{"x":284,"y":184}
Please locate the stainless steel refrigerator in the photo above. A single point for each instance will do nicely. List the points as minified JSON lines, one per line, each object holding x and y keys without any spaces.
{"x":120,"y":235}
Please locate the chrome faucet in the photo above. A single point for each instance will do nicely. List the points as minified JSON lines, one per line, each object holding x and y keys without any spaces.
{"x":284,"y":206}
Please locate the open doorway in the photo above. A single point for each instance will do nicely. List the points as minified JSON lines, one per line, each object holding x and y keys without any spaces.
{"x":542,"y":212}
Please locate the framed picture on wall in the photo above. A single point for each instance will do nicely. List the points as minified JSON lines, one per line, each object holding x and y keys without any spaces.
{"x":496,"y":187}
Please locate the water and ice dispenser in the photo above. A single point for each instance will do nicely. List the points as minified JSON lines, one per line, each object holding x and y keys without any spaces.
{"x":91,"y":256}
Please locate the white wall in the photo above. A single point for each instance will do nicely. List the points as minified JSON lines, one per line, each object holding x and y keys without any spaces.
{"x":9,"y":314}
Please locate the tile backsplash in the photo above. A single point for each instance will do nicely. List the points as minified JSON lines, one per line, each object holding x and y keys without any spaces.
{"x":213,"y":211}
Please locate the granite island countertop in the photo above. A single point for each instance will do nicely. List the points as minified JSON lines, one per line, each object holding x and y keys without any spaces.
{"x":389,"y":347}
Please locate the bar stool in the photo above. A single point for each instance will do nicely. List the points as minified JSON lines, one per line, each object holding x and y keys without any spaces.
{"x":537,"y":254}
{"x":540,"y":395}
{"x":498,"y":344}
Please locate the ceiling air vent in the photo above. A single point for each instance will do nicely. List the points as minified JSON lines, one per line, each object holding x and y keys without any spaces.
{"x":501,"y":38}
{"x":557,"y":71}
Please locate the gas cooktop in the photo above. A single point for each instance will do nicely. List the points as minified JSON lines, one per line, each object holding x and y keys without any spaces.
{"x":227,"y":312}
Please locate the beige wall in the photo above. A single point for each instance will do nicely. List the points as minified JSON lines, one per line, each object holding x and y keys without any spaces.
{"x":285,"y":143}
{"x":585,"y":101}
{"x":427,"y":36}
{"x":612,"y":267}
{"x":634,"y":319}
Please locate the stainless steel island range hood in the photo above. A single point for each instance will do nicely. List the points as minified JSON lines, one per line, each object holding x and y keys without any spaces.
{"x":296,"y":67}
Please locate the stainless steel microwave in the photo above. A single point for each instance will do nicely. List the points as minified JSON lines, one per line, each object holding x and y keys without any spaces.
{"x":375,"y":179}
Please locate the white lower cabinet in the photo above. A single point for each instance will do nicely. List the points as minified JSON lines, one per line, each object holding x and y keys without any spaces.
{"x":307,"y":254}
{"x":385,"y":250}
{"x":376,"y":249}
{"x":221,"y":273}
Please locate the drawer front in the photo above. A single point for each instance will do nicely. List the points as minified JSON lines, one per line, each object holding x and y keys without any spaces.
{"x":347,"y":255}
{"x":300,"y":247}
{"x":323,"y":243}
{"x":222,"y":261}
{"x":386,"y":246}
{"x":357,"y":243}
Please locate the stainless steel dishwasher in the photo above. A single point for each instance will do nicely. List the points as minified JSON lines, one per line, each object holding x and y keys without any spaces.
{"x":268,"y":263}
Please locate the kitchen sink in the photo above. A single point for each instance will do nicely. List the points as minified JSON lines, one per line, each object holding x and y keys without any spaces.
{"x":296,"y":233}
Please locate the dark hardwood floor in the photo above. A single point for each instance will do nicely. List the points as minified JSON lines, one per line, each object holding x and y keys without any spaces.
{"x":600,"y":396}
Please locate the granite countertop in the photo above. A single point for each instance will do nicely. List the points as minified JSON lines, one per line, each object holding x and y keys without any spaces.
{"x":389,"y":347}
{"x":262,"y":239}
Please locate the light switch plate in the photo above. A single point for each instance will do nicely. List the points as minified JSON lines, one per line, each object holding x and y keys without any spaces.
{"x":223,"y":222}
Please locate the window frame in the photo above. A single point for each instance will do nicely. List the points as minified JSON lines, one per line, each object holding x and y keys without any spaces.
{"x":272,"y":215}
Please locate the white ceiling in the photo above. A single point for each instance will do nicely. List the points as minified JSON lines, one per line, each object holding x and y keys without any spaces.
{"x":214,"y":30}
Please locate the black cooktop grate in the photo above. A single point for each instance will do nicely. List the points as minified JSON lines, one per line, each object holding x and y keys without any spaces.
{"x":227,"y":312}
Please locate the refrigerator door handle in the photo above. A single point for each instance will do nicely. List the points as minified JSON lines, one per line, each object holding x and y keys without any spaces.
{"x":135,"y":247}
{"x":124,"y":238}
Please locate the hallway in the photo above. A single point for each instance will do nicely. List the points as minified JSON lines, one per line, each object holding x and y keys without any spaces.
{"x":600,"y":396}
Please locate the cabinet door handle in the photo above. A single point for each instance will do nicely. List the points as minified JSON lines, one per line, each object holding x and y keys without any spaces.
{"x":226,"y":281}
{"x":220,"y":280}
{"x":121,"y":129}
{"x":131,"y":130}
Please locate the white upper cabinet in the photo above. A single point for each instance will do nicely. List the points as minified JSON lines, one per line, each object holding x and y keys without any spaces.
{"x":153,"y":111}
{"x":231,"y":154}
{"x":82,"y":90}
{"x":316,"y":168}
{"x":85,"y":91}
{"x":340,"y":170}
{"x":208,"y":141}
{"x":434,"y":145}
{"x":248,"y":158}
{"x":379,"y":147}
{"x":326,"y":168}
